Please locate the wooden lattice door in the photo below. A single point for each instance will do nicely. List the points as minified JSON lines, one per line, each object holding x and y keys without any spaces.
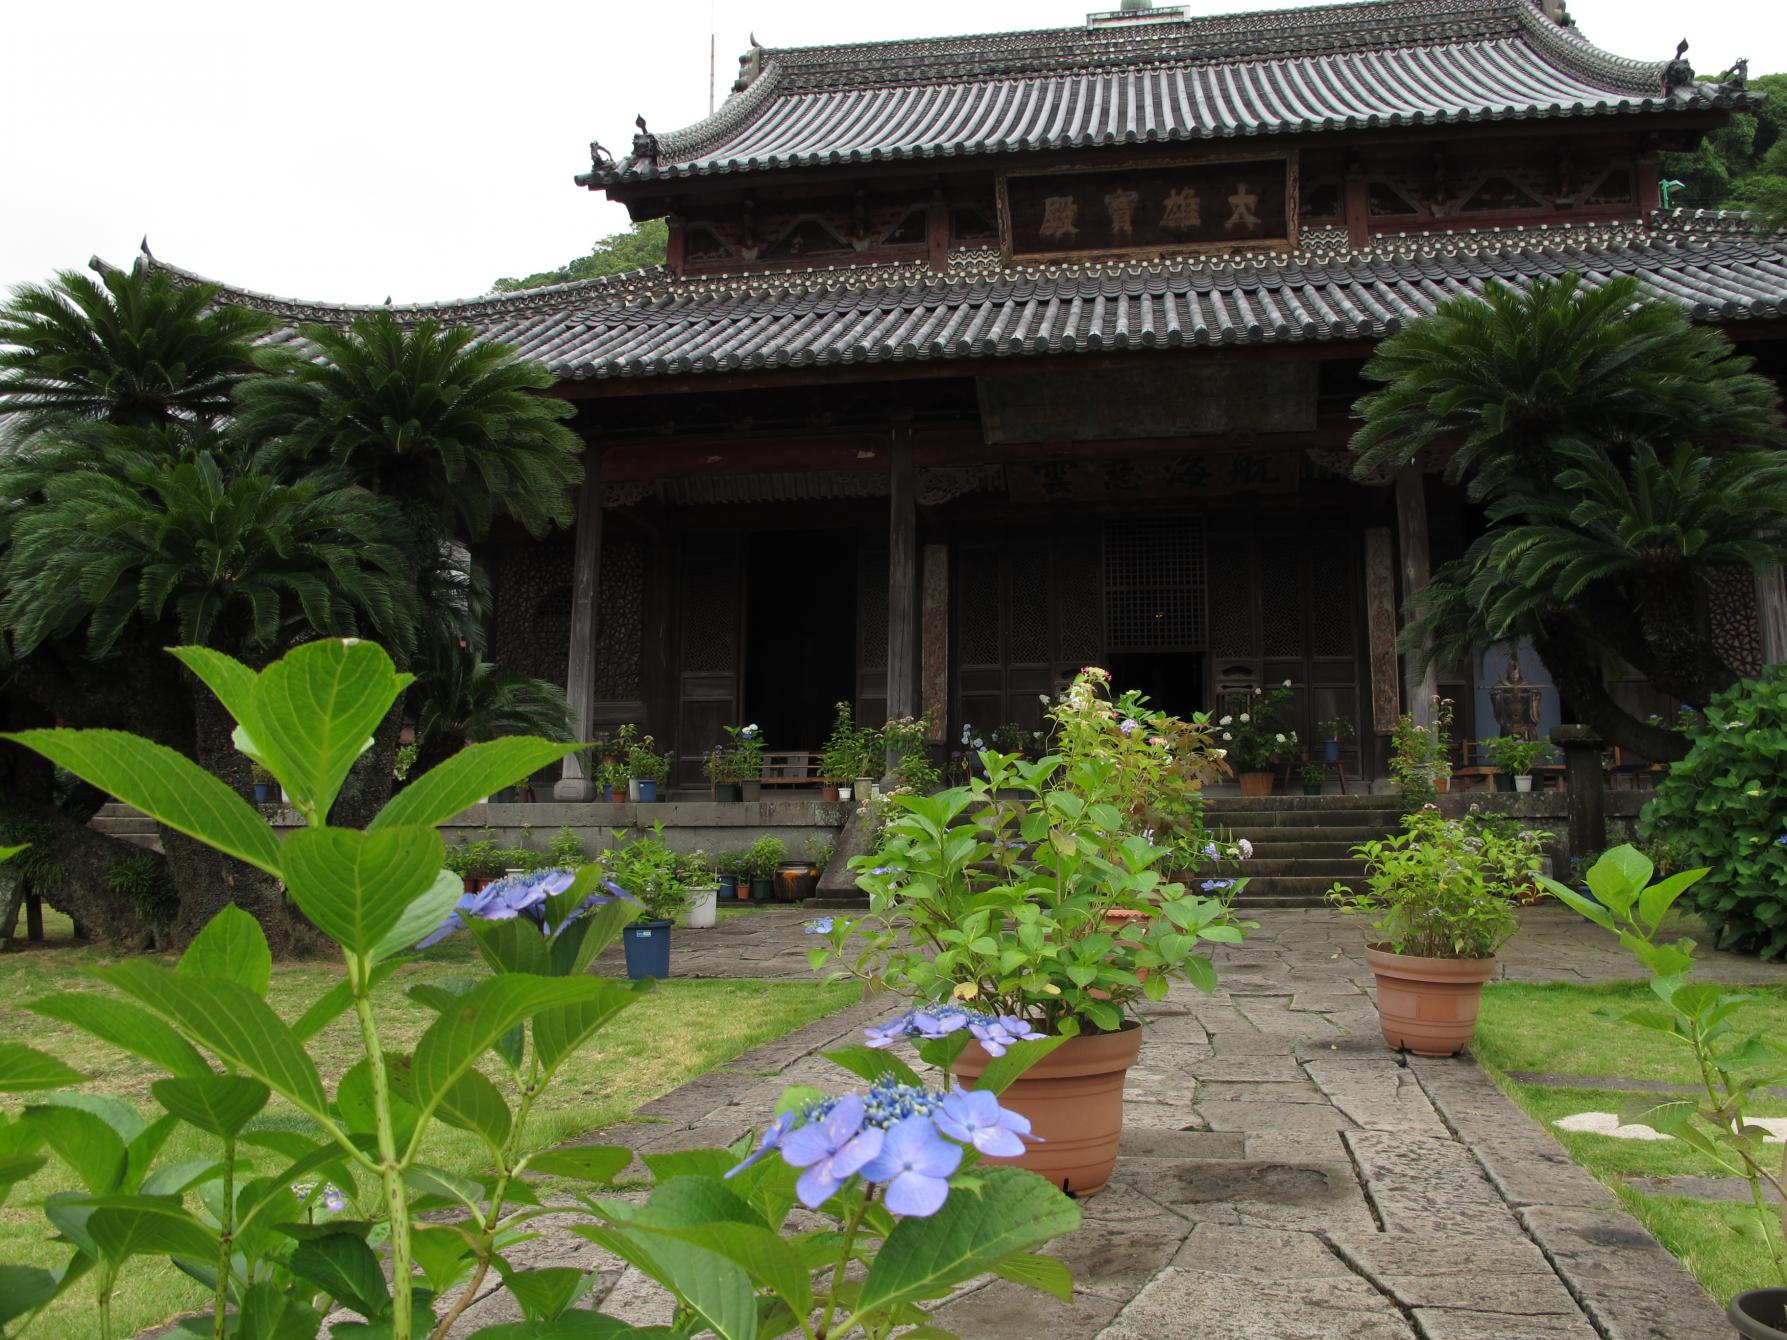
{"x":709,"y":616}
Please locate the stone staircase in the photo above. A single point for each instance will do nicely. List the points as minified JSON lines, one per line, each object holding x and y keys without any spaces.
{"x":1302,"y":845}
{"x":126,"y":824}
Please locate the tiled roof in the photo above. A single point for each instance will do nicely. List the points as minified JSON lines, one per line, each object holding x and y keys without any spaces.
{"x":650,"y":324}
{"x":1391,"y":62}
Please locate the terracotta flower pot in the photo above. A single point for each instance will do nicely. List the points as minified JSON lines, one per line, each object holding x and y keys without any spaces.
{"x":1428,"y":1005}
{"x":1760,"y":1314}
{"x":1256,"y":783}
{"x":1074,"y":1099}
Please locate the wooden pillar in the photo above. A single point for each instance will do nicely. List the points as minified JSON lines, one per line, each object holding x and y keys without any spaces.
{"x":1356,"y":206}
{"x":902,"y":579}
{"x":1771,"y":612}
{"x":934,"y":642}
{"x":1419,"y":685}
{"x":580,"y":666}
{"x":1586,"y":803}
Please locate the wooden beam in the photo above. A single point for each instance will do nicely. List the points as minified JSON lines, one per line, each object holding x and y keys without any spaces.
{"x":586,"y":583}
{"x":1771,"y":613}
{"x":902,"y":579}
{"x":1420,"y":685}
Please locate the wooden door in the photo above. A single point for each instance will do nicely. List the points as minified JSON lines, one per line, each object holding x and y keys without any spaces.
{"x":710,"y":602}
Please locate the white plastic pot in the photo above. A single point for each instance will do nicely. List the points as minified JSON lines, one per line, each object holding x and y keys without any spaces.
{"x":844,"y":793}
{"x":701,"y":908}
{"x":1523,"y":781}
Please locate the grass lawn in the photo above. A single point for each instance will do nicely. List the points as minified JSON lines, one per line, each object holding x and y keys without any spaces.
{"x":1551,"y":1029}
{"x":677,"y":1031}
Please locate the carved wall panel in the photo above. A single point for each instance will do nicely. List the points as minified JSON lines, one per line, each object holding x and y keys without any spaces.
{"x":1731,"y":611}
{"x":530,"y":627}
{"x":620,"y":622}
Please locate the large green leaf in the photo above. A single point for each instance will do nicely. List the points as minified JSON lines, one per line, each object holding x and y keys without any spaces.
{"x":474,"y":1104}
{"x":23,"y":1070}
{"x":219,"y":1105}
{"x":329,"y":1006}
{"x":574,"y":1325}
{"x":93,"y":1151}
{"x":125,"y":1226}
{"x":1011,"y":1211}
{"x":583,"y":1163}
{"x":562,"y":1030}
{"x":318,"y":706}
{"x":1018,"y":1058}
{"x":870,"y":1064}
{"x":575,"y":947}
{"x":546,"y":1292}
{"x":126,"y":1026}
{"x":232,"y":946}
{"x":165,"y":785}
{"x":467,"y":777}
{"x":761,"y":1254}
{"x":231,"y":1021}
{"x":424,"y":915}
{"x":24,"y":1289}
{"x":715,"y":1288}
{"x":355,"y":886}
{"x":345,"y":1268}
{"x":468,"y":1028}
{"x":272,"y":1312}
{"x":1037,"y":1272}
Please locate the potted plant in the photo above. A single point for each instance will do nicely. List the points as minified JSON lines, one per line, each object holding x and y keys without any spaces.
{"x":646,"y":769}
{"x":842,"y":756}
{"x":477,"y":863}
{"x":995,"y":897}
{"x":726,"y":874}
{"x":1516,"y":757}
{"x":703,"y":890}
{"x":761,"y":859}
{"x":798,"y":879}
{"x":1439,"y":899}
{"x":1333,"y":733}
{"x":721,"y":767}
{"x":263,"y":784}
{"x":1254,"y":738}
{"x":653,"y":876}
{"x":748,"y":746}
{"x":1421,"y":755}
{"x":1314,"y":777}
{"x":611,"y":780}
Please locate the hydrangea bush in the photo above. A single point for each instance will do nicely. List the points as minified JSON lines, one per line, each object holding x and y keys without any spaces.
{"x":316,"y":1196}
{"x":1724,"y":807}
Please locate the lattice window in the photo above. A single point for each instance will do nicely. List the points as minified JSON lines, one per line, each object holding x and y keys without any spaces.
{"x":1232,"y":632}
{"x":1281,"y":600}
{"x":620,"y":621}
{"x":710,"y":621}
{"x":979,"y":607}
{"x":871,"y":609}
{"x":1731,"y":612}
{"x":1154,"y":592}
{"x":1079,"y":603}
{"x":1027,"y":604}
{"x":1332,"y":622}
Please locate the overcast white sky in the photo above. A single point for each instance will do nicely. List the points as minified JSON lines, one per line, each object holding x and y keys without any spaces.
{"x":345,"y":151}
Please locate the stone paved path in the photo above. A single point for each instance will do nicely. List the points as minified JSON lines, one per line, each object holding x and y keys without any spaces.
{"x":1283,"y":1176}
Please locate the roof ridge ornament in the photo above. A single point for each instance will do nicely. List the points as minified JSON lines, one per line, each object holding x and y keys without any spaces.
{"x":645,"y":144}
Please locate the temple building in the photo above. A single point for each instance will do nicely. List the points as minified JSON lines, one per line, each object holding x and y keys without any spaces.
{"x":978,"y":359}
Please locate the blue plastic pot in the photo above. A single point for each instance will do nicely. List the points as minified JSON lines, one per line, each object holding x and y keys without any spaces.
{"x":728,"y":886}
{"x":648,"y":792}
{"x":1331,"y":750}
{"x":647,"y":945}
{"x":263,"y":793}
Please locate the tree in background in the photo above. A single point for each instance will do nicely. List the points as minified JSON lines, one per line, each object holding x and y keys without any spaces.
{"x":639,"y":248}
{"x":1741,"y":165}
{"x":1622,"y":455}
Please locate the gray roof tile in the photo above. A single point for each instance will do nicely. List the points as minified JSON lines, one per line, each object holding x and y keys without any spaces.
{"x":650,"y":324}
{"x":1391,"y":62}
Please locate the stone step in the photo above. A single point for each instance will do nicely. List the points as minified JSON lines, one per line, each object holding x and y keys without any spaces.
{"x":118,"y":826}
{"x":1267,"y":850}
{"x":1249,"y":820}
{"x":1326,"y":833}
{"x":1266,"y":867}
{"x":1312,"y":887}
{"x":1357,"y":801}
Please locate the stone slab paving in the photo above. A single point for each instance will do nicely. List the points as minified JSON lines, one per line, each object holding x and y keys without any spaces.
{"x":1282,"y":1176}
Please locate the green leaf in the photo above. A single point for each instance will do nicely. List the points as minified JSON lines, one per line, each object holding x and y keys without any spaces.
{"x":443,"y":1254}
{"x":870,"y":1064}
{"x":355,"y":886}
{"x":125,"y":1026}
{"x":1018,"y":1058}
{"x":717,"y":1290}
{"x":219,"y":1105}
{"x":85,"y":1142}
{"x":562,"y":1030}
{"x":576,"y":946}
{"x":270,"y":1311}
{"x":165,"y":785}
{"x":1014,"y":1211}
{"x":1037,"y":1272}
{"x":23,"y":1070}
{"x":231,"y":947}
{"x":582,"y":1163}
{"x":546,"y":1292}
{"x":422,"y":917}
{"x":345,"y":1268}
{"x":711,"y":1164}
{"x":770,"y":1262}
{"x":334,"y":1002}
{"x":24,"y":1289}
{"x":126,"y":1226}
{"x":474,"y":1104}
{"x":231,"y":1021}
{"x":577,"y":1325}
{"x":316,"y":710}
{"x":1655,"y":901}
{"x":1588,"y":907}
{"x":1618,"y":877}
{"x":466,"y":778}
{"x":477,"y":1019}
{"x":354,"y":1100}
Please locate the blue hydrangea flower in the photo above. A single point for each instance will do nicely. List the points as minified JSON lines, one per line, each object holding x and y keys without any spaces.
{"x":995,"y":1035}
{"x":515,"y":896}
{"x":1217,"y":885}
{"x":818,"y":926}
{"x":974,"y":1117}
{"x":772,"y":1138}
{"x":832,"y":1149}
{"x":1129,"y":726}
{"x":915,"y":1164}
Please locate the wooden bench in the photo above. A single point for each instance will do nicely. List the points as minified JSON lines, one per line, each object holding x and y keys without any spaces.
{"x":791,"y":767}
{"x":1477,"y":769}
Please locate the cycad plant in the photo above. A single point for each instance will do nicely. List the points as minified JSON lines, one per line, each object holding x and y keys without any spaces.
{"x":1622,"y":456}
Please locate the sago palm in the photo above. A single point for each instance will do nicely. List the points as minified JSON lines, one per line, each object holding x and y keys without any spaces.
{"x":1509,"y":380}
{"x":425,"y":414}
{"x":153,"y":530}
{"x":132,"y":347}
{"x":459,"y":698}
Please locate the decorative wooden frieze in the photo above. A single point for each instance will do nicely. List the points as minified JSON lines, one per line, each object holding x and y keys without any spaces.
{"x":1183,"y":401}
{"x":1196,"y":474}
